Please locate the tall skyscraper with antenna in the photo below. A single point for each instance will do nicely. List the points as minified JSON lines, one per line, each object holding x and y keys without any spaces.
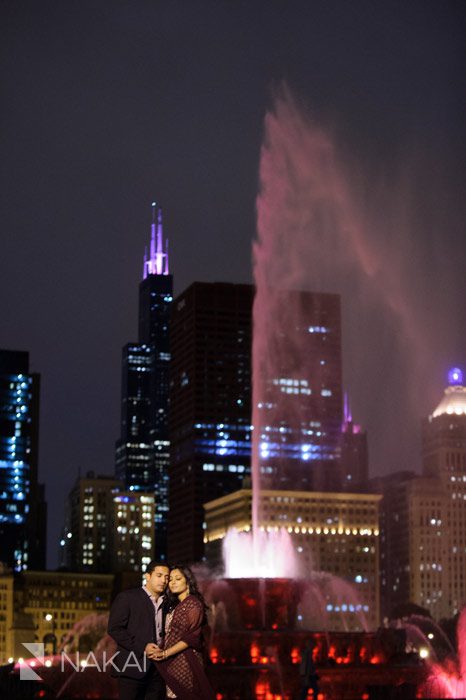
{"x":142,"y":452}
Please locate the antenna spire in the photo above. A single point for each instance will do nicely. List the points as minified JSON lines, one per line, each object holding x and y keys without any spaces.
{"x":157,"y":261}
{"x":348,"y":418}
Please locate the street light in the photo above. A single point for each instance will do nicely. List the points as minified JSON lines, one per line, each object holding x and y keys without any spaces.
{"x":50,"y":637}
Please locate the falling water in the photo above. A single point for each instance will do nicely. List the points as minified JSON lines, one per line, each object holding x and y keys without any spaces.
{"x":323,"y":226}
{"x":448,"y":679}
{"x":313,"y":230}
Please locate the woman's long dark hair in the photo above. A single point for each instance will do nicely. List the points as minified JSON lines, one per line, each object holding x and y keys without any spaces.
{"x":172,"y":600}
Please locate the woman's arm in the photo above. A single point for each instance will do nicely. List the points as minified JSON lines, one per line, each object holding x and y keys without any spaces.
{"x":171,"y":651}
{"x":191,"y":636}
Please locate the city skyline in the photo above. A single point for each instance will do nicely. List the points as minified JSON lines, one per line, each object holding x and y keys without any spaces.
{"x":170,"y":105}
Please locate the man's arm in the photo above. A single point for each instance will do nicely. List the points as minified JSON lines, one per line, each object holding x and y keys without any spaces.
{"x":118,"y":628}
{"x":118,"y":623}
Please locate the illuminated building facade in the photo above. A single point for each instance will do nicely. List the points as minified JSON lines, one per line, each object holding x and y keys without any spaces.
{"x":22,"y":505}
{"x":87,"y":535}
{"x":107,"y":529}
{"x":132,"y":537}
{"x":142,"y":452}
{"x":135,"y":454}
{"x":444,"y":458}
{"x":337,"y":533}
{"x":47,"y":604}
{"x":412,"y":529}
{"x":424,"y":518}
{"x":210,"y":406}
{"x":6,"y":616}
{"x":299,"y":415}
{"x":305,"y":441}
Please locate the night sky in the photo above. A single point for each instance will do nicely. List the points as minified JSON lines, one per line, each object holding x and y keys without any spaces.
{"x":107,"y":106}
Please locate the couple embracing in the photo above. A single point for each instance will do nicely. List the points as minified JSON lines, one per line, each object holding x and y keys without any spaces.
{"x":158,"y":630}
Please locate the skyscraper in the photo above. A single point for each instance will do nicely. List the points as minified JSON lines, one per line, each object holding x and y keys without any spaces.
{"x":354,"y":454}
{"x":299,"y":414}
{"x":142,"y":452}
{"x":22,"y":506}
{"x":86,"y":544}
{"x":424,"y":517}
{"x":210,"y":409}
{"x":135,"y":451}
{"x":299,"y":417}
{"x":107,"y":529}
{"x":444,"y":458}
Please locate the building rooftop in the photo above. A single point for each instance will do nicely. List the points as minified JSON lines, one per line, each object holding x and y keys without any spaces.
{"x":454,"y":399}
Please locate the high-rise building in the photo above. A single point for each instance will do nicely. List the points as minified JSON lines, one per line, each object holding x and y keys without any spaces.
{"x":142,"y":452}
{"x":210,"y":406}
{"x":303,"y":442}
{"x":407,"y":500}
{"x":354,"y":454}
{"x":22,"y":505}
{"x":336,"y":533}
{"x":132,"y":536}
{"x":135,"y":453}
{"x":86,"y":540}
{"x":424,"y":517}
{"x":107,"y":529}
{"x":299,"y":417}
{"x":444,"y":458}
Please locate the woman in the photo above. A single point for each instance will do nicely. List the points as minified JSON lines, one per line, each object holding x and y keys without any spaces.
{"x":180,"y":660}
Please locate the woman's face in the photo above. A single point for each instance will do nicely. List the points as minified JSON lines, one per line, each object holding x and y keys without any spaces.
{"x":177,"y":582}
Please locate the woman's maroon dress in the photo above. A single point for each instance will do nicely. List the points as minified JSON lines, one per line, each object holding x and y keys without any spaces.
{"x":184,"y":672}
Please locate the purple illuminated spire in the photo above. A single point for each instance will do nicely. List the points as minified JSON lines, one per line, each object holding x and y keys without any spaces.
{"x":157,"y":262}
{"x":348,"y":426}
{"x":347,"y":417}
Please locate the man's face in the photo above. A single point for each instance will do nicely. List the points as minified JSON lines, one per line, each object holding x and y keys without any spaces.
{"x":157,"y":581}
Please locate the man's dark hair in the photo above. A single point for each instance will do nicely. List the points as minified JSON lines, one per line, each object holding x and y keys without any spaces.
{"x":153,"y":564}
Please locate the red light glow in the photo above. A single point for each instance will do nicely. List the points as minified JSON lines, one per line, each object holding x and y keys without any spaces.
{"x":255,"y":653}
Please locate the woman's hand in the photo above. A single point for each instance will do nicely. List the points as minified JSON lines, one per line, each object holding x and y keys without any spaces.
{"x":164,"y":654}
{"x":150,"y":650}
{"x":159,"y":654}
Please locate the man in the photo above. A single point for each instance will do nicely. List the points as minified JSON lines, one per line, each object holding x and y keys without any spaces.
{"x":136,"y":624}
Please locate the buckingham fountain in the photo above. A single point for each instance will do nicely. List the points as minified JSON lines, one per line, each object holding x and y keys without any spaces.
{"x":269,"y":610}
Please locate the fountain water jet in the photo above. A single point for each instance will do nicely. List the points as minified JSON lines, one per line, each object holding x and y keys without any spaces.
{"x":303,"y":199}
{"x":260,"y":555}
{"x":448,"y":679}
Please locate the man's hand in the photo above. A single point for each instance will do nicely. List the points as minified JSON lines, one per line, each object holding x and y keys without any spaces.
{"x":151,"y":651}
{"x":160,"y":654}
